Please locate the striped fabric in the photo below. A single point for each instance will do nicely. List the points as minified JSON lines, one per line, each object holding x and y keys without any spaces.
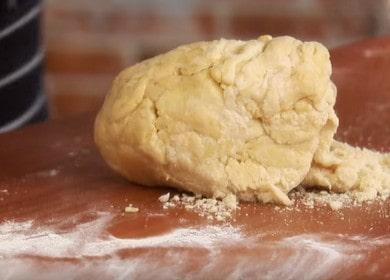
{"x":21,"y":60}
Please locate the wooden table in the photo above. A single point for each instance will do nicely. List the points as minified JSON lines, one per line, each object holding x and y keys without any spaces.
{"x":61,"y":207}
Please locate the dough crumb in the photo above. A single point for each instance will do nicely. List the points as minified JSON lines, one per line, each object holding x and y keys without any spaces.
{"x":131,"y":209}
{"x":53,"y":172}
{"x":230,"y":201}
{"x":336,"y":201}
{"x":211,"y":208}
{"x":164,"y":197}
{"x":335,"y":205}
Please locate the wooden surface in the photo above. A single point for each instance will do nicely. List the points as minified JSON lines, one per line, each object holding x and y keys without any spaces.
{"x":61,"y":207}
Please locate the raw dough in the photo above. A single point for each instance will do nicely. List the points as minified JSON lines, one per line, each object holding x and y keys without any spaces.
{"x":361,"y":172}
{"x":225,"y":117}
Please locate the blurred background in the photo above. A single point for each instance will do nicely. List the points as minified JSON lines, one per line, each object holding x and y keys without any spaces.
{"x":89,"y":41}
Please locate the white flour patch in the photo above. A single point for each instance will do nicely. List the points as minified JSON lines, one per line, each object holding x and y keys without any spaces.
{"x":90,"y":239}
{"x":305,"y":256}
{"x":323,"y":258}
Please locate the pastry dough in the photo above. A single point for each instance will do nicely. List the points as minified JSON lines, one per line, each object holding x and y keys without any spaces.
{"x":225,"y":117}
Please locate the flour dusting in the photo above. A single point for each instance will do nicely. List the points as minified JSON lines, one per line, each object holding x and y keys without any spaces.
{"x":90,"y":239}
{"x":190,"y":252}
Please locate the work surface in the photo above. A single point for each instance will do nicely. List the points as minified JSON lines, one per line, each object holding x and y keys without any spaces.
{"x":62,"y":209}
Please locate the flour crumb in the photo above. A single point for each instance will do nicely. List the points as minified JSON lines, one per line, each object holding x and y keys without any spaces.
{"x":72,"y":154}
{"x":164,"y":198}
{"x":212,"y":209}
{"x":53,"y":172}
{"x":335,"y":205}
{"x":336,"y":201}
{"x":230,"y":201}
{"x":131,"y":209}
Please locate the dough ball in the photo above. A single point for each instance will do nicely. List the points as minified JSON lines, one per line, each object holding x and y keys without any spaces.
{"x":222,"y":117}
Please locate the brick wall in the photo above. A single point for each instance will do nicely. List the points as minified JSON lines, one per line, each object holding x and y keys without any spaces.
{"x":89,"y":41}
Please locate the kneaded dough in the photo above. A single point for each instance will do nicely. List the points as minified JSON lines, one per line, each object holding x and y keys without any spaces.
{"x":222,"y":117}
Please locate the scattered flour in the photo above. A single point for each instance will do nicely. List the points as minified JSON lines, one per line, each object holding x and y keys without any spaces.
{"x":305,"y":256}
{"x":90,"y":239}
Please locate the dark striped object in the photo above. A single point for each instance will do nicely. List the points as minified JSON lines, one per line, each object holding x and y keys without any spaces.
{"x":21,"y":59}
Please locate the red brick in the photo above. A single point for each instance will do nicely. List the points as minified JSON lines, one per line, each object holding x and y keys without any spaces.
{"x":63,"y":105}
{"x":146,"y":52}
{"x":63,"y":19}
{"x":350,"y":7}
{"x":354,"y":26}
{"x":71,"y":94}
{"x":65,"y":59}
{"x":244,"y":26}
{"x":205,"y":22}
{"x":133,"y":23}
